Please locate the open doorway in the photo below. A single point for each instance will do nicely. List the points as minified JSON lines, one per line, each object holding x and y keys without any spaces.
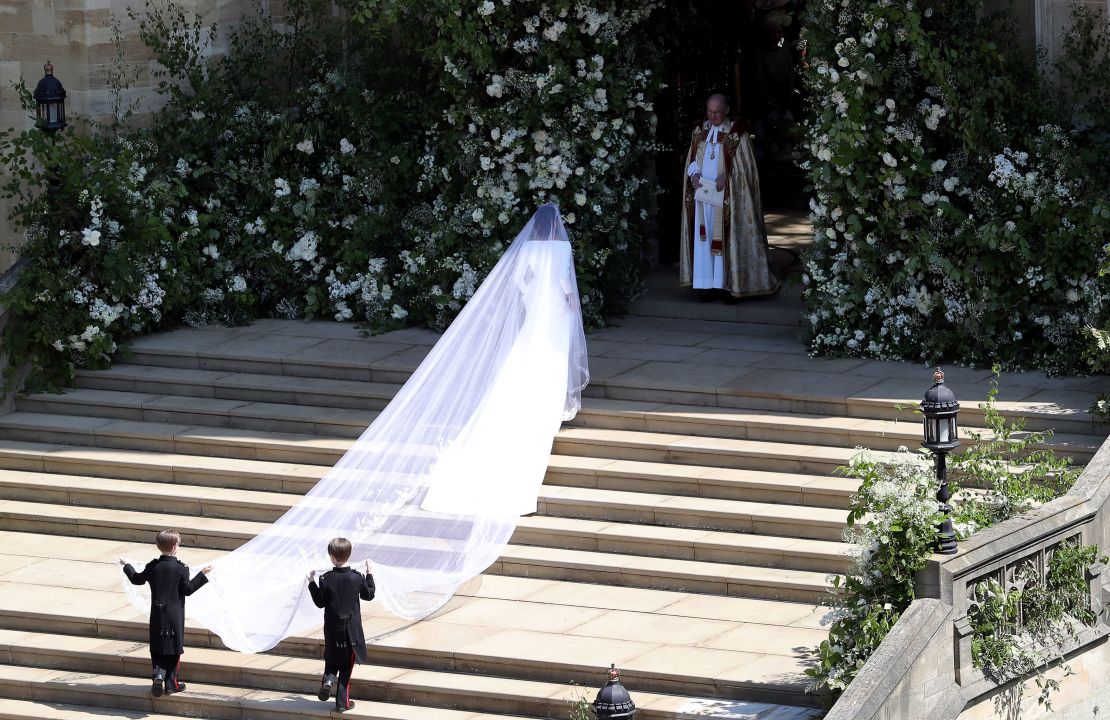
{"x":749,"y":51}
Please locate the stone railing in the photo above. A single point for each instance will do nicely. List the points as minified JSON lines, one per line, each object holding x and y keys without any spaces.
{"x":923,"y":667}
{"x":7,"y":399}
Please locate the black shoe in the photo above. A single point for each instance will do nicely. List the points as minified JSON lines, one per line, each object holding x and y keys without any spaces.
{"x":706,"y":296}
{"x":170,"y":689}
{"x":156,"y":683}
{"x":350,"y":706}
{"x":326,"y":687}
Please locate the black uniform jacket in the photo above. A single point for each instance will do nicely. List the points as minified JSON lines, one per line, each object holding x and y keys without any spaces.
{"x":169,"y":584}
{"x":338,"y":593}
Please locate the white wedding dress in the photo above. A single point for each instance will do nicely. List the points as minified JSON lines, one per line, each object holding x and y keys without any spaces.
{"x":431,"y":491}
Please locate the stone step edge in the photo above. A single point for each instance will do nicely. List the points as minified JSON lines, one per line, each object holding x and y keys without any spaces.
{"x":224,"y":535}
{"x":667,"y":444}
{"x":200,"y":700}
{"x":278,"y":503}
{"x":622,"y":411}
{"x":299,"y":476}
{"x":781,"y":542}
{"x":605,"y":568}
{"x":388,"y":684}
{"x":615,"y":388}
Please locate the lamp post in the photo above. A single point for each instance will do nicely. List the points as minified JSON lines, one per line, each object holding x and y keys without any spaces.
{"x":50,"y":97}
{"x":613,"y":701}
{"x":941,"y":430}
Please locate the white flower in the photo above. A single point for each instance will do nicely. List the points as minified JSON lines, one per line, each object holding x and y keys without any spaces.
{"x":939,"y":165}
{"x":91,"y":333}
{"x":569,"y":218}
{"x":59,"y":345}
{"x":306,"y":146}
{"x":477,"y":215}
{"x":182,"y":167}
{"x":190,"y":216}
{"x":580,"y":198}
{"x":346,"y":147}
{"x":395,"y":160}
{"x":79,"y":346}
{"x":196,"y":115}
{"x":211,"y":251}
{"x":238,"y":284}
{"x":552,"y":33}
{"x":889,"y":160}
{"x":951,"y":183}
{"x":399,"y":313}
{"x":90,"y":237}
{"x":304,"y":249}
{"x":1072,"y":295}
{"x":486,"y":8}
{"x":282,"y":188}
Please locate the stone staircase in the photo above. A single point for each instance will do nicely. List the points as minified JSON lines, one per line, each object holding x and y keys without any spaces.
{"x":689,"y":519}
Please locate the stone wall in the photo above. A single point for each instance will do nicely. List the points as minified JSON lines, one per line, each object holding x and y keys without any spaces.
{"x":77,"y":36}
{"x":1084,"y":693}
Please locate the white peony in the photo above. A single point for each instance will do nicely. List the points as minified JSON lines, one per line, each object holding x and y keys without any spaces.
{"x":346,"y":147}
{"x":306,"y":146}
{"x":90,"y":237}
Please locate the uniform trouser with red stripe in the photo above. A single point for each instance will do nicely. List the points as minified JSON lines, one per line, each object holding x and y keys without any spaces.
{"x":169,"y":665}
{"x":343,"y":680}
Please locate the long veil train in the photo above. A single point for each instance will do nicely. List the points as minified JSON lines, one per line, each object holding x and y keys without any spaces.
{"x":431,"y":491}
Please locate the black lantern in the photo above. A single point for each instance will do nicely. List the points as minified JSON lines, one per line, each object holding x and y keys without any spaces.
{"x":613,"y":701}
{"x":51,"y":99}
{"x":940,"y":409}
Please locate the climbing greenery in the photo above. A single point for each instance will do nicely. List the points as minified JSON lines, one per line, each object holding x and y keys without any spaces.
{"x":961,"y":194}
{"x":1021,"y":627}
{"x":892,"y":522}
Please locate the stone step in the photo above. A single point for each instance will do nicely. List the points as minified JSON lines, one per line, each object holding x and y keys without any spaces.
{"x":784,"y":379}
{"x":416,"y":688}
{"x":213,"y":456}
{"x":201,"y":700}
{"x":736,"y":423}
{"x":584,"y":519}
{"x":204,"y":411}
{"x":706,"y":451}
{"x":523,"y":628}
{"x":250,"y":387}
{"x":550,"y":563}
{"x":657,"y":448}
{"x":795,"y":427}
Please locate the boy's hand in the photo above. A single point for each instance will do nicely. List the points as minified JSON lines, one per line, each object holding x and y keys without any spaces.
{"x":311,"y":575}
{"x":206,"y":569}
{"x":122,"y":561}
{"x":367,"y":567}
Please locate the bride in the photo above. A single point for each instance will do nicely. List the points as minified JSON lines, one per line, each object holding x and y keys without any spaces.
{"x":431,"y":491}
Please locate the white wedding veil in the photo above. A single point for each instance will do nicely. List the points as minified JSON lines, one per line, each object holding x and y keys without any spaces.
{"x":431,"y":491}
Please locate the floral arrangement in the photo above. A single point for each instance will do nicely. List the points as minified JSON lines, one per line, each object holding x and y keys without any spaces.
{"x":375,"y":179}
{"x":959,"y":207}
{"x":548,"y":102}
{"x":892,"y":523}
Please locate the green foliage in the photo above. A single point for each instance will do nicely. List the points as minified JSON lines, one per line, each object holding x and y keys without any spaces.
{"x":960,"y":204}
{"x":892,"y":522}
{"x":103,"y":256}
{"x":1005,"y":471}
{"x":368,"y":171}
{"x":1023,"y":627}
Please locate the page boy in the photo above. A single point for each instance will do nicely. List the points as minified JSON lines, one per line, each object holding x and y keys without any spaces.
{"x":169,"y":584}
{"x":338,"y":593}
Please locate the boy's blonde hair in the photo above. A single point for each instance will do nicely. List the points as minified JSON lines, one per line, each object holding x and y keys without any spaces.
{"x":340,"y":549}
{"x":167,"y":540}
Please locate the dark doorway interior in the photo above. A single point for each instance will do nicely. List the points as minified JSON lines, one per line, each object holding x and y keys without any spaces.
{"x":749,"y":51}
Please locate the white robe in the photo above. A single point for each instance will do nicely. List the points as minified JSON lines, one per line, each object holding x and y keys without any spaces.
{"x":709,"y":269}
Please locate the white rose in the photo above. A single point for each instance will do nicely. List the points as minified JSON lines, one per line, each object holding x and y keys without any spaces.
{"x":477,"y":215}
{"x":486,"y":8}
{"x":79,"y":346}
{"x":59,"y":345}
{"x":346,"y":147}
{"x":90,"y":237}
{"x":580,"y":198}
